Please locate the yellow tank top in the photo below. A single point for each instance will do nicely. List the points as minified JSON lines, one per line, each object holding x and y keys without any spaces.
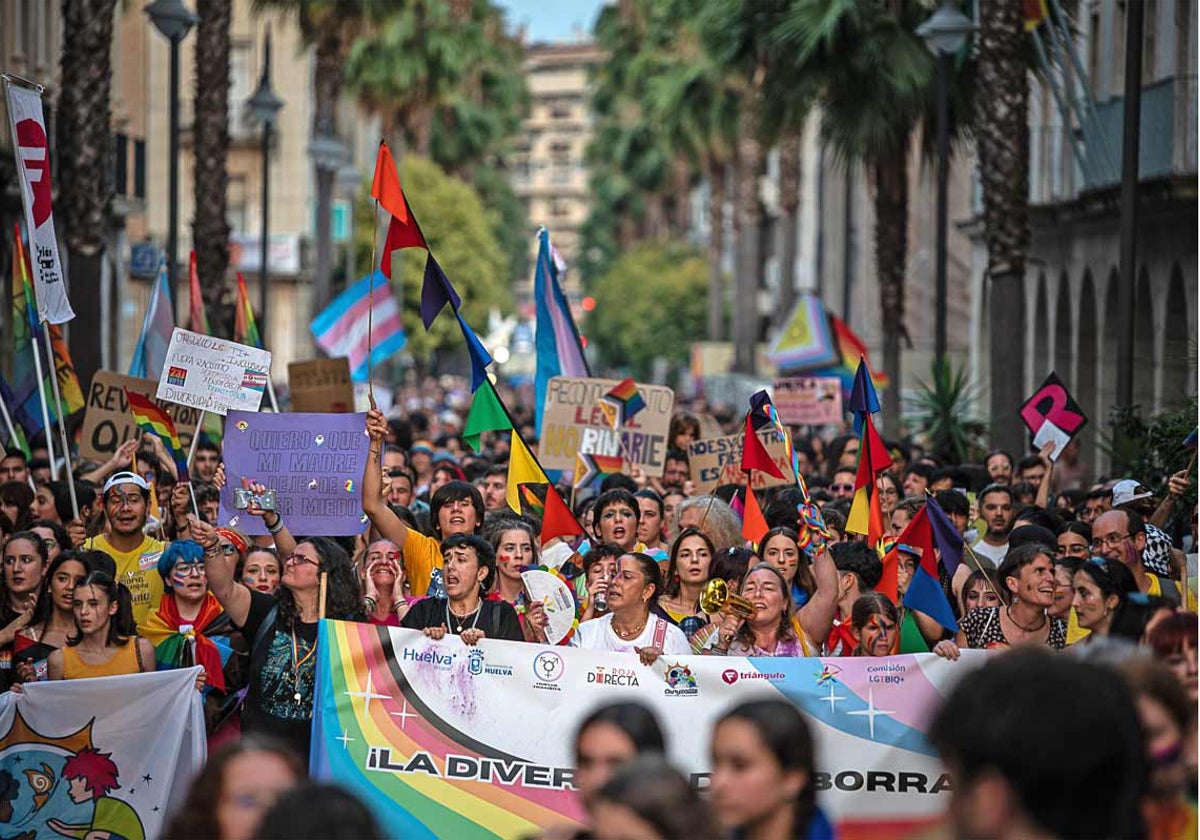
{"x":124,"y":661}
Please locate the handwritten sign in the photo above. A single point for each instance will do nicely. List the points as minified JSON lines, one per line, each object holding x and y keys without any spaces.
{"x":321,"y":385}
{"x":313,"y":462}
{"x":1052,"y":415}
{"x":809,"y":400}
{"x":107,"y":422}
{"x":573,"y":422}
{"x":717,"y":461}
{"x":213,"y":374}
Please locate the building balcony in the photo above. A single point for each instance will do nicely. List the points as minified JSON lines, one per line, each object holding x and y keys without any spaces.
{"x":1168,"y":135}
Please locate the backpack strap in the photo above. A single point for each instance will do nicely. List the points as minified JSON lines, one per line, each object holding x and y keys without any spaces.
{"x":267,"y":626}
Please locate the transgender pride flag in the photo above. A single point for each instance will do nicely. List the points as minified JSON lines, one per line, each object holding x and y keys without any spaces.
{"x":341,"y":330}
{"x":559,"y":350}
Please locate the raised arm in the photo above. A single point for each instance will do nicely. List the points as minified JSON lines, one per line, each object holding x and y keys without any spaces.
{"x":816,"y":617}
{"x":221,"y":573}
{"x":1043,"y":493}
{"x":285,"y":543}
{"x":388,"y":525}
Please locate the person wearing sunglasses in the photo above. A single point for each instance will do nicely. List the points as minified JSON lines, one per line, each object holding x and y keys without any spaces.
{"x":842,"y":483}
{"x":282,"y":628}
{"x":1101,"y":586}
{"x":191,"y":628}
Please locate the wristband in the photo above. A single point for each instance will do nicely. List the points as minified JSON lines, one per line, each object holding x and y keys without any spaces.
{"x":369,"y":602}
{"x":277,"y":527}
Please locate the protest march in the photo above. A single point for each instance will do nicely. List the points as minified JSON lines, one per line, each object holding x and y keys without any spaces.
{"x":574,"y":606}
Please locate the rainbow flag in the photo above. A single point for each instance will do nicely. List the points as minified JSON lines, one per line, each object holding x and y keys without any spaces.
{"x":245,"y":328}
{"x":150,"y":418}
{"x":622,"y":403}
{"x":591,"y":468}
{"x":198,"y":319}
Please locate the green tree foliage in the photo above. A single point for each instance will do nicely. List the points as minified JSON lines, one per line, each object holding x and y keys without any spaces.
{"x":460,"y":231}
{"x":510,"y":222}
{"x":650,"y":303}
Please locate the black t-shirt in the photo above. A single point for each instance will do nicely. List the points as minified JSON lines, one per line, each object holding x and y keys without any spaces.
{"x":497,"y":619}
{"x":271,"y":704}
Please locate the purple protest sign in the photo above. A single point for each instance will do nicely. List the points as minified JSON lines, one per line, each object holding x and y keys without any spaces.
{"x":313,"y":462}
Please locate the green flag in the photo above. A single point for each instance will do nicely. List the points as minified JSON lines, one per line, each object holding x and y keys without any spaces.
{"x":487,"y":414}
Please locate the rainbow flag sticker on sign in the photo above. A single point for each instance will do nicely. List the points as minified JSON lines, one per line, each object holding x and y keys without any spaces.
{"x":622,"y":403}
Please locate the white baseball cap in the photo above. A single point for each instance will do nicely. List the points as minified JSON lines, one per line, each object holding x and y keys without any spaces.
{"x":1127,"y":491}
{"x":117,"y":479}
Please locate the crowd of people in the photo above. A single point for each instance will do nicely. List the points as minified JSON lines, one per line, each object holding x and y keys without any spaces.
{"x":1090,"y":579}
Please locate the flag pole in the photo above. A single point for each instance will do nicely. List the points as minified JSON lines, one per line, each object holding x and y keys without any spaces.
{"x":196,"y":440}
{"x":12,"y":436}
{"x":371,"y":295}
{"x":271,"y":394}
{"x":46,"y":427}
{"x":62,"y":420}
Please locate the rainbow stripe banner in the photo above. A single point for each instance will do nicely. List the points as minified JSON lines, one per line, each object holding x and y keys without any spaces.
{"x":443,"y":740}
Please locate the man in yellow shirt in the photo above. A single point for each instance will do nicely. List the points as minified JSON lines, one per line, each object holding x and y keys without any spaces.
{"x":126,"y":504}
{"x":1120,"y":535}
{"x":455,"y":508}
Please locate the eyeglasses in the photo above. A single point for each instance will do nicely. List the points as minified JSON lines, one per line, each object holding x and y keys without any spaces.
{"x":189,"y":569}
{"x":844,"y":488}
{"x":1073,"y":550}
{"x":1110,"y":540}
{"x":300,"y":560}
{"x":120,"y":500}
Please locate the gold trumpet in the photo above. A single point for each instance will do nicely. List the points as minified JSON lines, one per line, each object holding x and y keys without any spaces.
{"x":716,"y":598}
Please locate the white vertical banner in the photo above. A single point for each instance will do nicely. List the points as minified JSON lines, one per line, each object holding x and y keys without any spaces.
{"x":102,"y":757}
{"x":33,"y":166}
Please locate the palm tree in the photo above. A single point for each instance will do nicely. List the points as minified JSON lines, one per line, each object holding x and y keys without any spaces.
{"x":85,"y":192}
{"x":410,"y":63}
{"x":790,"y":149}
{"x":329,"y":27}
{"x":875,"y":79}
{"x":1003,"y":143}
{"x":696,"y":105}
{"x":210,"y":133}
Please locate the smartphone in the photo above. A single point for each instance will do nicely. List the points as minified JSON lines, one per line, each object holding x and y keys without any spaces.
{"x":242,"y":499}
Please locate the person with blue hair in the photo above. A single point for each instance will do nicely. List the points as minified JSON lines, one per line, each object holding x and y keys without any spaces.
{"x":191,"y":628}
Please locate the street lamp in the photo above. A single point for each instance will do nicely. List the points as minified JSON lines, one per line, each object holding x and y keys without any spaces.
{"x":945,"y":33}
{"x":173,"y":21}
{"x":348,"y":179}
{"x":326,"y":153}
{"x":264,"y":105}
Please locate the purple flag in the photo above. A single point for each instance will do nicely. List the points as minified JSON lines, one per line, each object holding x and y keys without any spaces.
{"x":946,"y":537}
{"x":313,"y":462}
{"x":436,"y":292}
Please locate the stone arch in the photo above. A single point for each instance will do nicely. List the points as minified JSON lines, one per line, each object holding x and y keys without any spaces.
{"x":1063,"y":357}
{"x":1178,"y":345}
{"x":1143,"y":346}
{"x":1107,"y":391}
{"x":1041,"y":333}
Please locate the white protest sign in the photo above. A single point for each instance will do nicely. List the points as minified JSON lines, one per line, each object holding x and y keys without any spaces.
{"x":213,"y":374}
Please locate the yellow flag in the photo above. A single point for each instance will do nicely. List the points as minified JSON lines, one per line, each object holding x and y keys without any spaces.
{"x":522,"y":469}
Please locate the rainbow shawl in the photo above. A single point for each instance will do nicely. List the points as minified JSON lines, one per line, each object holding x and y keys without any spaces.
{"x":210,"y":629}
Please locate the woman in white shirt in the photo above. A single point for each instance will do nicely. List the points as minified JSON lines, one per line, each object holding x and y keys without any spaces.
{"x":630,"y":625}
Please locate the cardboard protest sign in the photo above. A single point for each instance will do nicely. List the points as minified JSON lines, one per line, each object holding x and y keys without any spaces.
{"x":213,"y":374}
{"x":1052,"y":415}
{"x":107,"y":422}
{"x":321,"y":385}
{"x":809,"y":400}
{"x":717,"y":461}
{"x":313,"y":462}
{"x":574,"y":422}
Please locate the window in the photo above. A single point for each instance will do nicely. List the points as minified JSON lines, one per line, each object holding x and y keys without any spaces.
{"x":241,"y":84}
{"x":235,"y":204}
{"x":1094,"y":54}
{"x":121,"y":164}
{"x":139,"y":169}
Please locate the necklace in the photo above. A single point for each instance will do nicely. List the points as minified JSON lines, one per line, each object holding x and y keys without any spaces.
{"x":458,"y":620}
{"x":1021,"y":626}
{"x":297,"y":662}
{"x":630,"y":634}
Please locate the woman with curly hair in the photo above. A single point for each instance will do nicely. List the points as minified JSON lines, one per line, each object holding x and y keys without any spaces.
{"x":282,"y":628}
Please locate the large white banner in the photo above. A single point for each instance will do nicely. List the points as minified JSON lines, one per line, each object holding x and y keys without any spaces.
{"x":79,"y":758}
{"x":212,"y":373}
{"x":444,"y":740}
{"x":33,"y":166}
